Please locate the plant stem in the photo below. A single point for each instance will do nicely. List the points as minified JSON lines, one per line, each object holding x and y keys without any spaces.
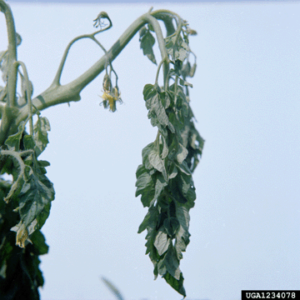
{"x":56,"y":81}
{"x":58,"y":94}
{"x":12,"y":54}
{"x":28,"y":93}
{"x":161,"y":43}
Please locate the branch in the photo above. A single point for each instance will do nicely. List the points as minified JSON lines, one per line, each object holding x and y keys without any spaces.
{"x":12,"y":53}
{"x":28,"y":93}
{"x":71,"y":92}
{"x":9,"y":111}
{"x":161,"y":44}
{"x":56,"y":81}
{"x":58,"y":94}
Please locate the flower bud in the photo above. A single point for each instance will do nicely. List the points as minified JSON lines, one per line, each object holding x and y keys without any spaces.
{"x":106,"y":83}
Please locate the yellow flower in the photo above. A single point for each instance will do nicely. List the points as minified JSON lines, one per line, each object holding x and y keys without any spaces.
{"x":110,"y":98}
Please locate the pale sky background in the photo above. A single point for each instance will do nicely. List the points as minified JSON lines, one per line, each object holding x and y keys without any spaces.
{"x":245,"y":225}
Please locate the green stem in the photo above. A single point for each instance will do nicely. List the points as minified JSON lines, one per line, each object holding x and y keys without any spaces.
{"x":157,"y":72}
{"x":156,"y":142}
{"x":161,"y":43}
{"x":175,"y":89}
{"x":12,"y":54}
{"x":9,"y":111}
{"x":28,"y":93}
{"x":58,"y":94}
{"x":56,"y":81}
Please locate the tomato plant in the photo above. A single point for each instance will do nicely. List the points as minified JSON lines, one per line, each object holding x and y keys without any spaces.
{"x":163,"y":179}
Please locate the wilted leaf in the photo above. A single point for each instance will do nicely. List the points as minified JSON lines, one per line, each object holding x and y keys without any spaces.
{"x":169,"y":264}
{"x":157,"y":162}
{"x":177,"y":285}
{"x":13,"y":141}
{"x":171,"y":226}
{"x":145,"y":186}
{"x":181,"y":154}
{"x":162,"y":242}
{"x":147,"y":41}
{"x":40,"y":134}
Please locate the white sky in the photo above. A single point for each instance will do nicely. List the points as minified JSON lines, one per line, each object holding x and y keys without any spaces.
{"x":245,"y":225}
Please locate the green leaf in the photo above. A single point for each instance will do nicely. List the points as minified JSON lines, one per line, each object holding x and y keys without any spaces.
{"x":157,"y":162}
{"x":162,"y":242}
{"x":145,"y":155}
{"x":165,"y":99}
{"x":178,"y":50}
{"x":28,"y":142}
{"x":157,"y":111}
{"x":169,"y":163}
{"x":176,"y":192}
{"x":185,"y":83}
{"x":13,"y":141}
{"x":177,"y":285}
{"x":150,"y":27}
{"x":40,"y":134}
{"x":39,"y":242}
{"x":147,"y":41}
{"x":169,"y":264}
{"x":182,"y":235}
{"x":181,"y":154}
{"x":183,"y":167}
{"x":185,"y":70}
{"x":173,"y":172}
{"x":159,"y":186}
{"x":187,"y":187}
{"x":145,"y":186}
{"x":149,"y":91}
{"x":149,"y":220}
{"x":171,"y":226}
{"x":150,"y":237}
{"x":35,"y":198}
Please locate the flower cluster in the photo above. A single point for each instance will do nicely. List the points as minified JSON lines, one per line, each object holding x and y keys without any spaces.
{"x":110,"y":95}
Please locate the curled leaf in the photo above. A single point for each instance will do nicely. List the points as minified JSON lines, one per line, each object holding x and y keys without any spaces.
{"x":22,"y":235}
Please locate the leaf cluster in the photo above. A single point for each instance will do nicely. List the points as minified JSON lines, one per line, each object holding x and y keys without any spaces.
{"x":24,"y":207}
{"x":164,"y":179}
{"x":20,"y":275}
{"x":30,"y":186}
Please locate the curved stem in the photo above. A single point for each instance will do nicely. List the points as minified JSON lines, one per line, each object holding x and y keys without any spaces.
{"x":161,"y":43}
{"x":12,"y":54}
{"x":157,"y":72}
{"x":56,"y":81}
{"x":58,"y":94}
{"x":28,"y":93}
